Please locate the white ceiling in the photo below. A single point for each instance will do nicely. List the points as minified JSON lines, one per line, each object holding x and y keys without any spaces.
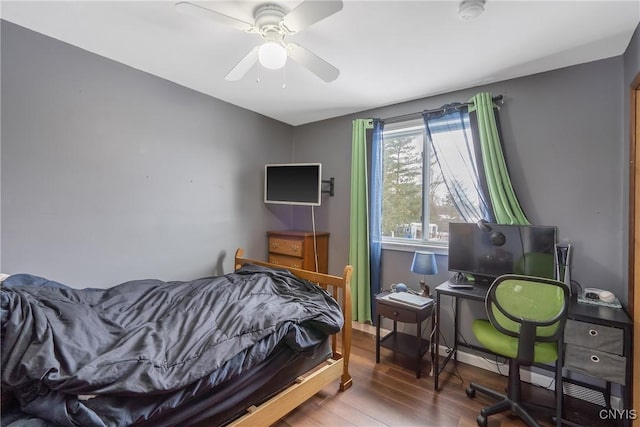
{"x":387,"y":51}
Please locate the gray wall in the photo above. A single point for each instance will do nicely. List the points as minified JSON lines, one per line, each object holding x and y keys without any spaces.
{"x":564,"y":145}
{"x":111,"y":174}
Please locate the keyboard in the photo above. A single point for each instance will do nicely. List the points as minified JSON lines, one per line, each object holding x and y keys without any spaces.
{"x":410,"y":299}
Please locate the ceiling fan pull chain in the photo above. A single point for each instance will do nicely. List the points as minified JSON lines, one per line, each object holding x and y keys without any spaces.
{"x":258,"y":74}
{"x":284,"y":77}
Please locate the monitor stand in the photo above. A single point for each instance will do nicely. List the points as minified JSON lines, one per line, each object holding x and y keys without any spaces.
{"x":459,"y":280}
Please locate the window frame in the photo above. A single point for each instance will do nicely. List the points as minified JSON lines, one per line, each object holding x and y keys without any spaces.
{"x":410,"y":127}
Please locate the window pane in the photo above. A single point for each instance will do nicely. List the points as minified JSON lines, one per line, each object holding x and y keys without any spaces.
{"x":442,"y":208}
{"x":402,"y":184}
{"x":421,"y":197}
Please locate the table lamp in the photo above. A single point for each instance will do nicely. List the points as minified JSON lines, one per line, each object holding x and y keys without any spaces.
{"x":424,"y":263}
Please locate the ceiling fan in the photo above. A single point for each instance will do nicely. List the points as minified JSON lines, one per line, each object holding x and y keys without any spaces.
{"x":273,"y":23}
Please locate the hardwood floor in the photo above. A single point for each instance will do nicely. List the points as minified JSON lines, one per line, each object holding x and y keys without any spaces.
{"x":388,"y":394}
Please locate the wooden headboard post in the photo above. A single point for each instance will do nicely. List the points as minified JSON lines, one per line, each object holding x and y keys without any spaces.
{"x":346,"y":381}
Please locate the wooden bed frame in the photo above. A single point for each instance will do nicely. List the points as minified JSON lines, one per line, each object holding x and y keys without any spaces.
{"x":333,"y":369}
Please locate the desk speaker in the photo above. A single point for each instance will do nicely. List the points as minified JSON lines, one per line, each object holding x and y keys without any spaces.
{"x":563,"y":254}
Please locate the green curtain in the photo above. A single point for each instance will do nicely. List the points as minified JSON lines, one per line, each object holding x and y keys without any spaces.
{"x":506,"y":207}
{"x":359,"y":223}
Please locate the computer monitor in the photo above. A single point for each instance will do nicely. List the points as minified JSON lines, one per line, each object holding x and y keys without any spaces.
{"x":486,"y":251}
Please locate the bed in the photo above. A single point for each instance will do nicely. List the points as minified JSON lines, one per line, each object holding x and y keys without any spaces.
{"x":242,"y":349}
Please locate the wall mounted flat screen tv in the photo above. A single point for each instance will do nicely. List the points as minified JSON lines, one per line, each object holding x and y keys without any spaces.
{"x":293,"y":184}
{"x":485,"y":255}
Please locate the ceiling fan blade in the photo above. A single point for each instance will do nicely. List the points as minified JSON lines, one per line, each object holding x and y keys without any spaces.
{"x":243,"y":66}
{"x":309,"y":12}
{"x":312,"y":62}
{"x":202,"y":12}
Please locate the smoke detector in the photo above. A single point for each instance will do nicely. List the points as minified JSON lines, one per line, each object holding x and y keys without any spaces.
{"x":470,"y":9}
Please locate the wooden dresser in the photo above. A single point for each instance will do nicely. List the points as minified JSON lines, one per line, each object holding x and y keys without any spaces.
{"x":296,"y":249}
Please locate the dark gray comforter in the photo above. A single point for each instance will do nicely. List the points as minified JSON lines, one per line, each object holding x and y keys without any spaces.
{"x":149,"y":337}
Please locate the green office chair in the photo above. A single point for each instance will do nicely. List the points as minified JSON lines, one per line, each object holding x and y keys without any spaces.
{"x":526,"y":324}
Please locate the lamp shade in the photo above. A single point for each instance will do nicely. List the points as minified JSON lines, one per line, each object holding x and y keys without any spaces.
{"x":424,"y":263}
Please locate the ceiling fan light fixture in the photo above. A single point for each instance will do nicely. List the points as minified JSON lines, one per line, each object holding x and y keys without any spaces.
{"x":272,"y":55}
{"x":470,"y":9}
{"x":273,"y":23}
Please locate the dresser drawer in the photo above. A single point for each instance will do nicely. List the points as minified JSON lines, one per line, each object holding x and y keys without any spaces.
{"x":596,"y":363}
{"x":285,"y":261}
{"x":604,"y":338}
{"x":287,"y":246}
{"x":400,"y":314}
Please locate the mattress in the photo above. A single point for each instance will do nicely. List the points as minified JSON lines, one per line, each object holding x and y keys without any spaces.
{"x":204,"y":406}
{"x":230,"y":400}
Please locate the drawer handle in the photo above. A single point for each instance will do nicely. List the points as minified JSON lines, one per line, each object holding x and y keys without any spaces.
{"x":274,"y":244}
{"x":295,"y":248}
{"x":593,"y":332}
{"x":594,"y":358}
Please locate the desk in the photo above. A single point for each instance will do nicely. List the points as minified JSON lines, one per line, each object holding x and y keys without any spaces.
{"x":607,"y":339}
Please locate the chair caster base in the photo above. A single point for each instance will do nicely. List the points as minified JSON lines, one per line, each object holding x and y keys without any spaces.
{"x":471,"y":393}
{"x":482,"y":421}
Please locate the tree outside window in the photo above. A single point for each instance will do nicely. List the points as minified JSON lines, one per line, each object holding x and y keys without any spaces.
{"x":414,"y":188}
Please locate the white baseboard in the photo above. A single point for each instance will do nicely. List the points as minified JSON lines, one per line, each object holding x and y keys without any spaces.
{"x":501,"y":368}
{"x":366,"y":327}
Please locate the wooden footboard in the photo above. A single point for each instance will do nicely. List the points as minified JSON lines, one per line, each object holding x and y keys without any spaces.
{"x":335,"y":368}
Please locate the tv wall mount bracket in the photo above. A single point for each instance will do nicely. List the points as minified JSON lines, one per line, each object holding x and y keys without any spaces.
{"x":331,"y":183}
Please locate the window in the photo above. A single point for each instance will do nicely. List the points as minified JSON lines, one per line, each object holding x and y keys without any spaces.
{"x":423,"y":177}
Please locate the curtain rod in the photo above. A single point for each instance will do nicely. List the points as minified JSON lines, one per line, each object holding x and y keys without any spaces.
{"x":418,"y":114}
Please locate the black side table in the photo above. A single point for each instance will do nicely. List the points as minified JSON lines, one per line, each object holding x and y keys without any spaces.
{"x":398,"y":341}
